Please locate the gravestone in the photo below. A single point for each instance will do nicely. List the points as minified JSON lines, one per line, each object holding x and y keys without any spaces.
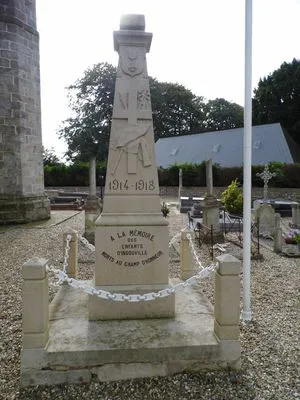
{"x":131,"y":238}
{"x":22,"y":197}
{"x":196,"y":208}
{"x":265,"y":216}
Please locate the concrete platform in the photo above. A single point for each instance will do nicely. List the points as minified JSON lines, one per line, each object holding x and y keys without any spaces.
{"x":80,"y":350}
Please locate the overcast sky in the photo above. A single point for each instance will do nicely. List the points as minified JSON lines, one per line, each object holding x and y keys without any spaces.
{"x":197,"y":43}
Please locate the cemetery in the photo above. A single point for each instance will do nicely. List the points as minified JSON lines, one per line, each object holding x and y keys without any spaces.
{"x":138,"y":295}
{"x":274,"y":299}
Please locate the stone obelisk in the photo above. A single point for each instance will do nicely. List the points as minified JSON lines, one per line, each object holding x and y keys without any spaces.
{"x":22,"y":197}
{"x":131,"y":237}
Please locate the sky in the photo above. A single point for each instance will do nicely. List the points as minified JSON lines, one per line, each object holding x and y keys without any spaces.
{"x":196,"y":43}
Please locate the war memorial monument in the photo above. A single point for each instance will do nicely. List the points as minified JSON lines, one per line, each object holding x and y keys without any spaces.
{"x":129,"y":321}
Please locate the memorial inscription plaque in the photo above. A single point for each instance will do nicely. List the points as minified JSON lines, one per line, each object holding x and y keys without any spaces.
{"x":131,"y":234}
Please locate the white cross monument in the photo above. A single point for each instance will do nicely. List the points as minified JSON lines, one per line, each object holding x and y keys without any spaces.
{"x":266,"y":175}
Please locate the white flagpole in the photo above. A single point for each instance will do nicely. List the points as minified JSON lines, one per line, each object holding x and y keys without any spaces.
{"x":246,"y":312}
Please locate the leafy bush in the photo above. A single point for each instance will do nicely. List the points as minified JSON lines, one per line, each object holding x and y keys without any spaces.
{"x":232,"y":198}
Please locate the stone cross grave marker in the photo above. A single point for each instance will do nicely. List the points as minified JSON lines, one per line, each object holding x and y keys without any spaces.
{"x":266,"y":176}
{"x":131,"y":240}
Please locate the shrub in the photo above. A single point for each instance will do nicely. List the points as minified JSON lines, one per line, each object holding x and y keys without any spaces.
{"x":232,"y":198}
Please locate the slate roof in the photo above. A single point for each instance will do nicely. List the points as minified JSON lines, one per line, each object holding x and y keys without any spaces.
{"x":269,"y":143}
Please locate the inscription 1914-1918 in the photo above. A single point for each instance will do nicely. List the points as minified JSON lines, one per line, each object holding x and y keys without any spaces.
{"x":139,"y":185}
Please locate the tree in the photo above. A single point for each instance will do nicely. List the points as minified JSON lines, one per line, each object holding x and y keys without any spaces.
{"x":49,"y":157}
{"x":176,"y":110}
{"x":277,"y":98}
{"x":91,"y":100}
{"x":221,"y":115}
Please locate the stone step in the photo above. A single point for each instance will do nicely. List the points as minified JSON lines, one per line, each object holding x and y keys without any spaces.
{"x":124,"y":349}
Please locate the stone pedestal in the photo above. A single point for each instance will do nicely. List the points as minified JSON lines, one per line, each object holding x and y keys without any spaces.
{"x":131,"y":237}
{"x":35,"y":296}
{"x":186,"y":256}
{"x":22,"y":197}
{"x":211,"y":213}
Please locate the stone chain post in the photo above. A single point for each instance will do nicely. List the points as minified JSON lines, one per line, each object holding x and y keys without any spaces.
{"x":227,"y":298}
{"x":73,"y":252}
{"x":35,"y":304}
{"x":186,"y":257}
{"x":277,"y":235}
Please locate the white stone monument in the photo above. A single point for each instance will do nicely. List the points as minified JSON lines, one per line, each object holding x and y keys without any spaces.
{"x":266,"y":176}
{"x":131,"y":237}
{"x":62,"y":343}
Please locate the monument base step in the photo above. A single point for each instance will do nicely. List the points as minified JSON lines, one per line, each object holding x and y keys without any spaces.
{"x":80,"y":350}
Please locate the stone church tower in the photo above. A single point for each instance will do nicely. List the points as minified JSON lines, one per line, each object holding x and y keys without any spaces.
{"x":22,"y":197}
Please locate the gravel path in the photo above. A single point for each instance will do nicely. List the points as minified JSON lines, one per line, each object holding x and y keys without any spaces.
{"x":270,"y":343}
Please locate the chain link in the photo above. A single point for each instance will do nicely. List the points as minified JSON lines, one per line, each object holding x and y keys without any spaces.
{"x":176,"y":236}
{"x":67,"y":250}
{"x":87,"y":243}
{"x":195,"y":255}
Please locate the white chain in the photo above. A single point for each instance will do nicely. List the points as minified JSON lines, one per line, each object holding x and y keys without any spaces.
{"x":189,"y":236}
{"x":103,"y":294}
{"x":86,"y":243}
{"x":176,"y":236}
{"x":66,"y":256}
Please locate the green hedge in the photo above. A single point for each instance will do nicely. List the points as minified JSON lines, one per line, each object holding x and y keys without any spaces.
{"x":288,"y":175}
{"x":71,"y":175}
